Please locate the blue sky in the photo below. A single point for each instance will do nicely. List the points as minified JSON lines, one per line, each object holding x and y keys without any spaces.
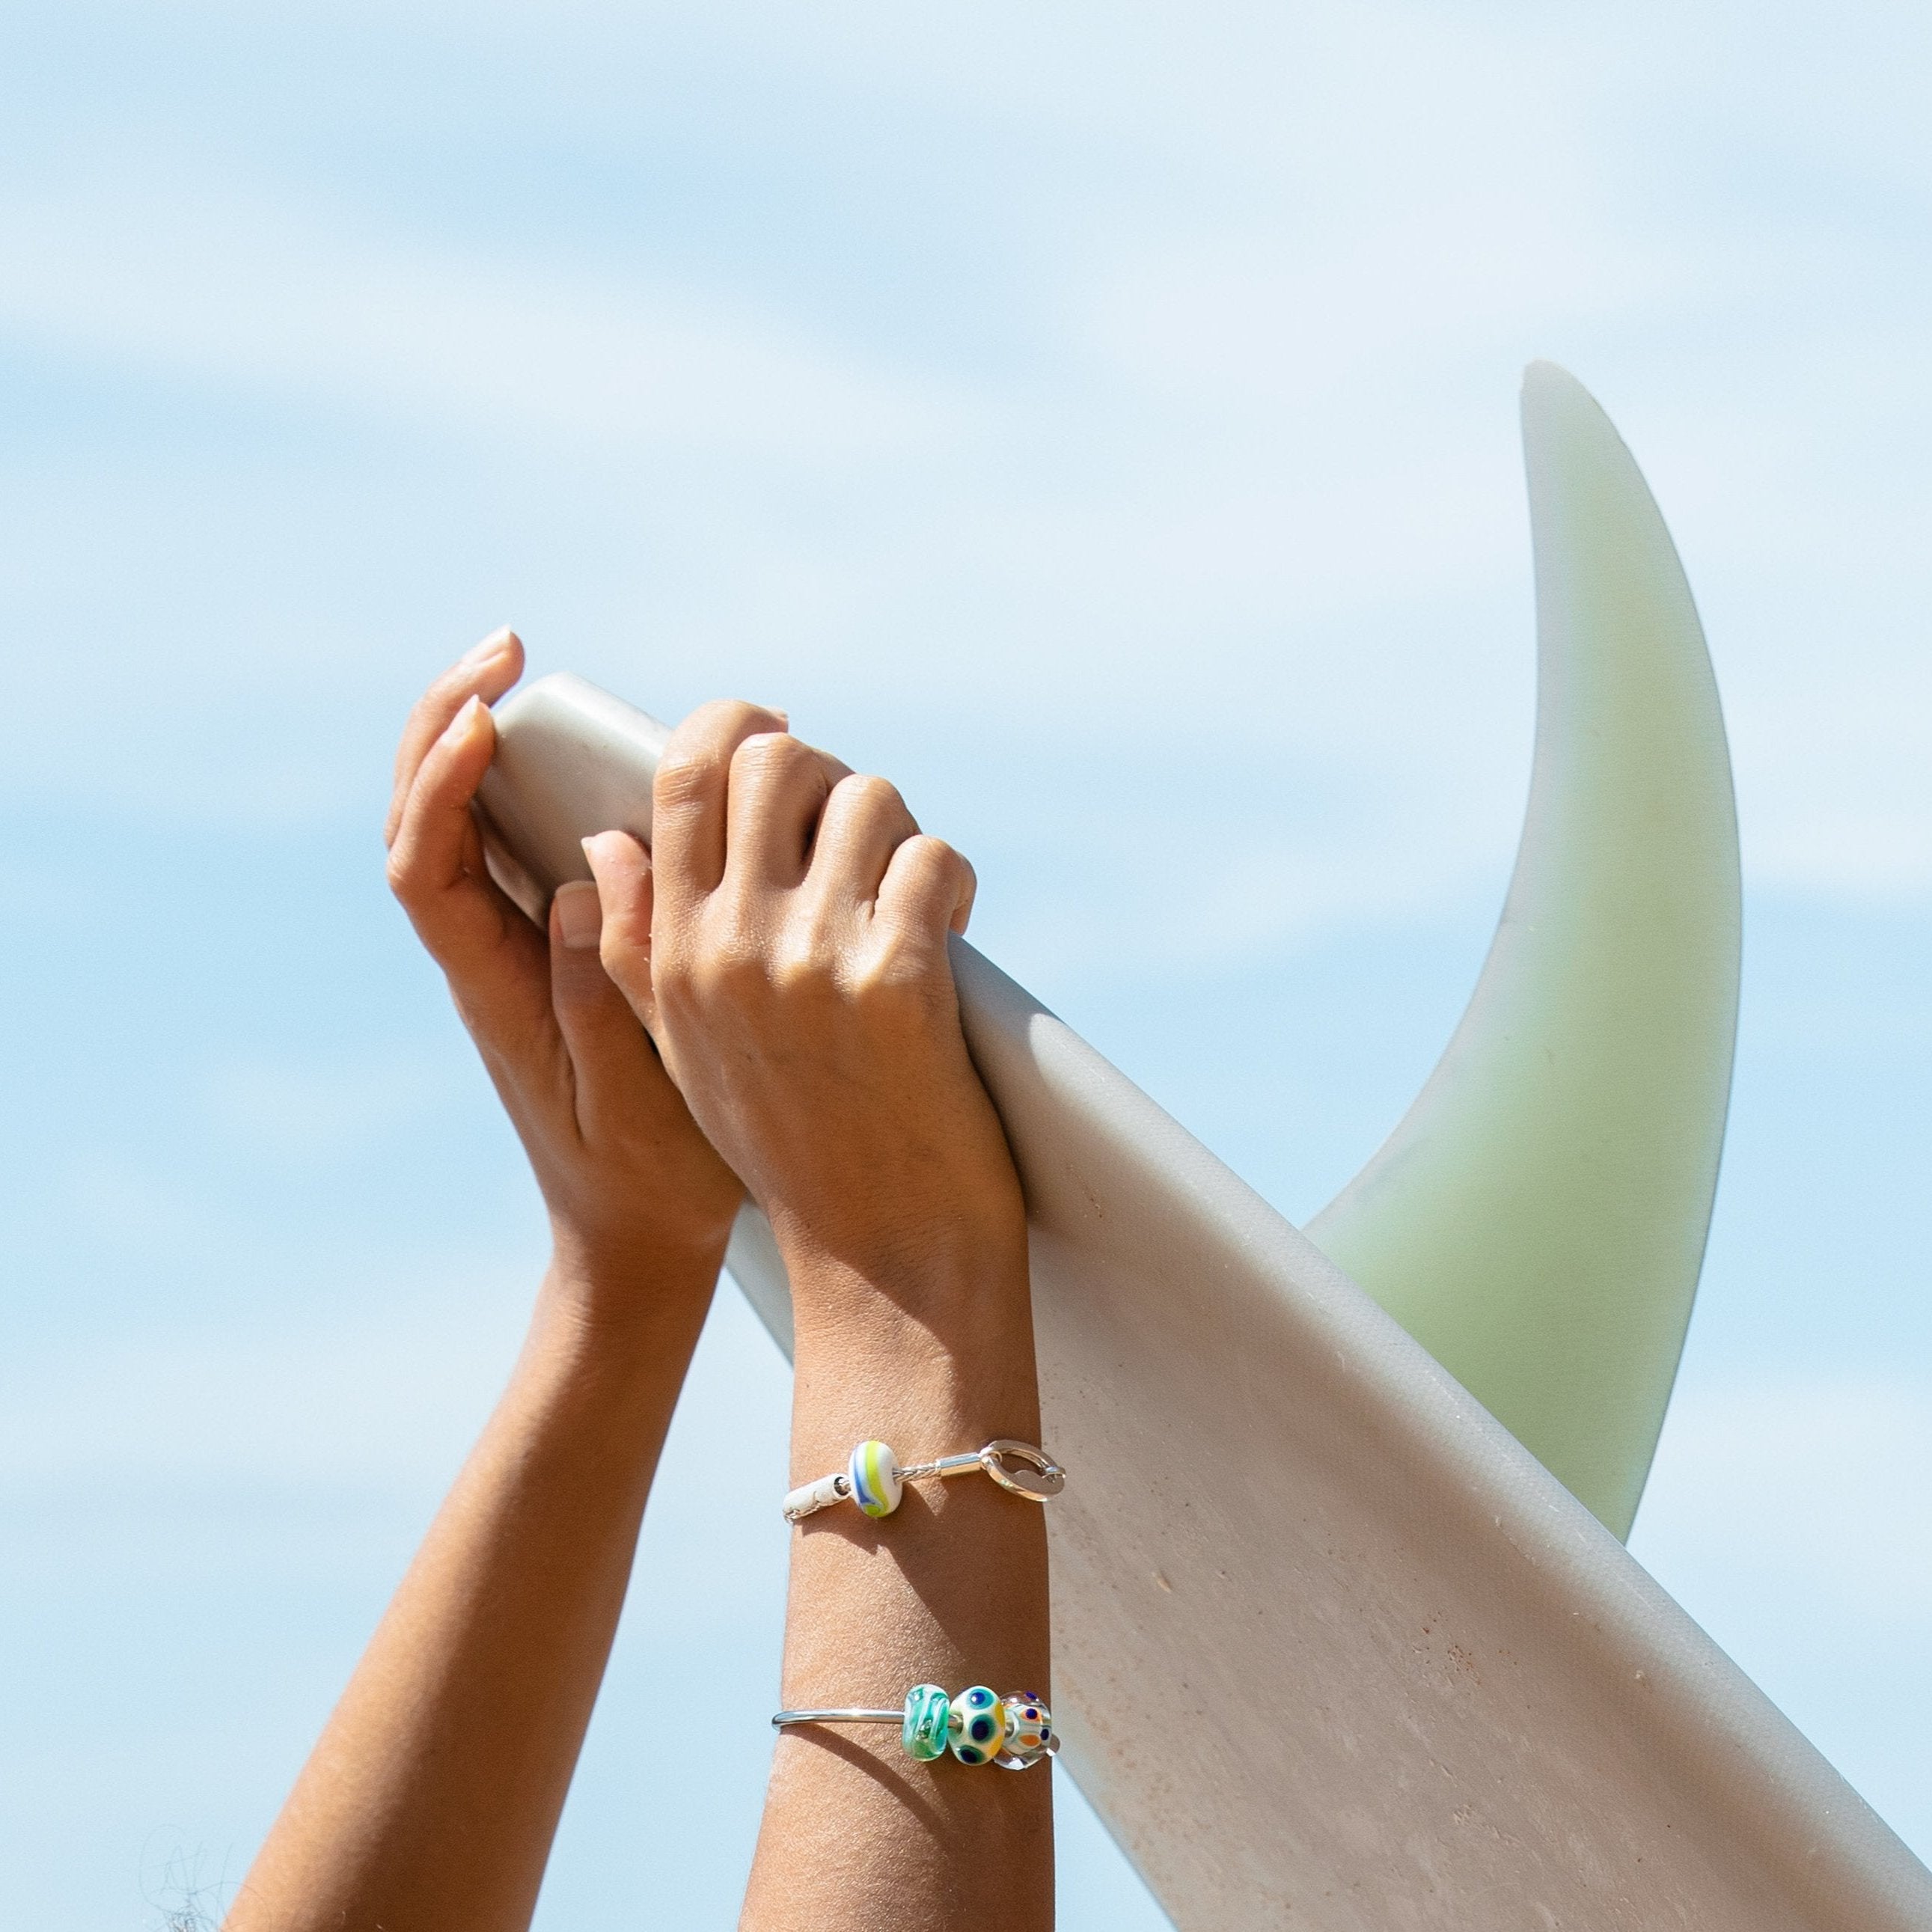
{"x":1101,"y":419}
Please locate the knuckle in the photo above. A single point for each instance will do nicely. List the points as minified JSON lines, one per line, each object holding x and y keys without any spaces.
{"x":437,"y":705}
{"x":720,"y":948}
{"x":716,"y":718}
{"x":401,"y":874}
{"x":731,"y":975}
{"x":670,"y":984}
{"x":893,"y":983}
{"x":683,"y":774}
{"x":876,"y":798}
{"x":767,"y":755}
{"x":800,"y":964}
{"x":713,"y":728}
{"x":618,"y":949}
{"x":736,"y":714}
{"x":934,"y":863}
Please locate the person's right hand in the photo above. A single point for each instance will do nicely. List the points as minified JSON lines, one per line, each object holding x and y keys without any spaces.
{"x":785,"y":941}
{"x":637,"y":1197}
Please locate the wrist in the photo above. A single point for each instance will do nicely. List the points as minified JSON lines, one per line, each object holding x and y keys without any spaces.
{"x":623,"y":1299}
{"x":933,"y":1365}
{"x":609,"y":1390}
{"x":582,"y":1413}
{"x":949,"y":1267}
{"x":920,"y":1413}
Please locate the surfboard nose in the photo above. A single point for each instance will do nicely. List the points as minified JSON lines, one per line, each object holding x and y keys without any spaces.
{"x":1537,"y":1218}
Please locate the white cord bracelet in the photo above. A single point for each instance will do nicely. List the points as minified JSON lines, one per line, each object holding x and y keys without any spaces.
{"x":874,"y":1478}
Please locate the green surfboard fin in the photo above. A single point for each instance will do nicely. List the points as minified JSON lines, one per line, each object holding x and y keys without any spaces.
{"x":1538,"y":1220}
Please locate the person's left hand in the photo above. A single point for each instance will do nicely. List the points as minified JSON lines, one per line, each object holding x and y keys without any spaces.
{"x":636,"y":1195}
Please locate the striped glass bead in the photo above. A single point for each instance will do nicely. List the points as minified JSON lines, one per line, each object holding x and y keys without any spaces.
{"x":874,"y":1474}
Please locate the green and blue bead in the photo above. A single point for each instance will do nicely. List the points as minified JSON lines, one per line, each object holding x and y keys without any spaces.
{"x":929,"y":1712}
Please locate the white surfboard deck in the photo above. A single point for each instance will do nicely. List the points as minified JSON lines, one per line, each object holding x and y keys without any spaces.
{"x":1333,"y":1649}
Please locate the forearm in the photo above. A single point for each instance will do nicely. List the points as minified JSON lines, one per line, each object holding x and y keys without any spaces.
{"x":786,"y":940}
{"x":431,"y":1799}
{"x":950,"y":1589}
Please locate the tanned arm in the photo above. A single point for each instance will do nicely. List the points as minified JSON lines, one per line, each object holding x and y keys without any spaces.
{"x":431,"y":1801}
{"x":786,"y":942}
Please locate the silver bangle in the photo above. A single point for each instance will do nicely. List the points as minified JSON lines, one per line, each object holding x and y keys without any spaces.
{"x":874,"y":1478}
{"x":785,"y":1717}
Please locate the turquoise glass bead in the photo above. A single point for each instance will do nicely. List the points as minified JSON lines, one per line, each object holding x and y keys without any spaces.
{"x":978,"y":1726}
{"x":929,"y":1713}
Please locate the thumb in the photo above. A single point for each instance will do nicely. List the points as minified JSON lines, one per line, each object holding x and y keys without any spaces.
{"x":609,"y":1053}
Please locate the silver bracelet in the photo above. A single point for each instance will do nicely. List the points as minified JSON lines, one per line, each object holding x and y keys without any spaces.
{"x":874,"y":1477}
{"x":977,"y":1727}
{"x":780,"y":1719}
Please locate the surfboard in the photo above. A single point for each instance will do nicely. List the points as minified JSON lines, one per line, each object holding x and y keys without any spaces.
{"x":1334,"y":1648}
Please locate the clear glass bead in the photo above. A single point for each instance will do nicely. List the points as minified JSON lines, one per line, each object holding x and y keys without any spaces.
{"x":1029,"y":1732}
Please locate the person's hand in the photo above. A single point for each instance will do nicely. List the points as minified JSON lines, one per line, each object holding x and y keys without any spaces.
{"x":636,"y":1195}
{"x":784,"y":939}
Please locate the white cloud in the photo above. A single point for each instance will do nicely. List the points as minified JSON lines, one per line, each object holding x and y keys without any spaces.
{"x":282,"y":298}
{"x":1238,"y":478}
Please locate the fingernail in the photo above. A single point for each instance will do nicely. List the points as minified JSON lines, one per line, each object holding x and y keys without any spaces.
{"x":594,"y":847}
{"x":492,"y":646}
{"x":464,"y":722}
{"x":580,"y":915}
